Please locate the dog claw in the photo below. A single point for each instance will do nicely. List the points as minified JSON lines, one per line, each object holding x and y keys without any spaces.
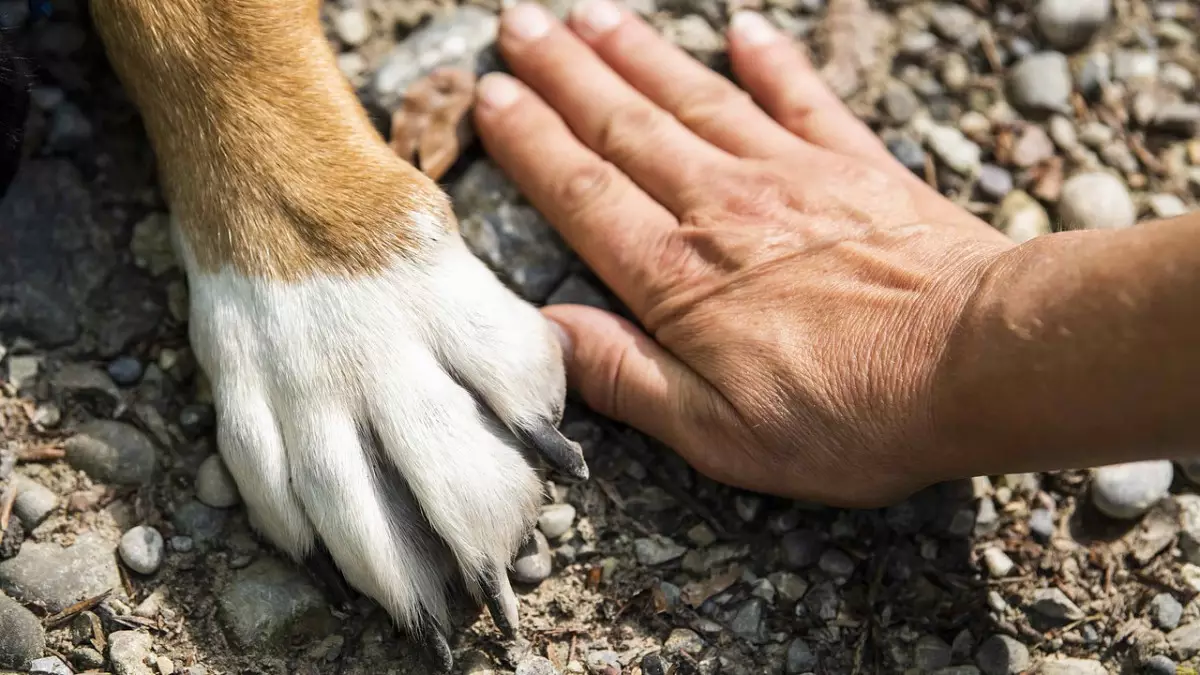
{"x":437,"y":650}
{"x":561,"y":452}
{"x":501,"y":602}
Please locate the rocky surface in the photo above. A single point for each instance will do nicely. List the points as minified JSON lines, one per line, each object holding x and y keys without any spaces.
{"x":1036,"y":115}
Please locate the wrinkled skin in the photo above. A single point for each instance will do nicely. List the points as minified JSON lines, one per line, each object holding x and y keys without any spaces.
{"x":796,"y":286}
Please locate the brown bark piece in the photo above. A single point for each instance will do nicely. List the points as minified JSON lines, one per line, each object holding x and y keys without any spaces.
{"x":431,"y":128}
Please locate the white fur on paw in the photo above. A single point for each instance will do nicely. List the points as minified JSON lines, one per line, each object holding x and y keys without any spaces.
{"x":380,"y":416}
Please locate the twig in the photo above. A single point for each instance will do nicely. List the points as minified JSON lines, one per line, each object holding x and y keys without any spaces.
{"x":42,"y":454}
{"x":7,"y":498}
{"x":81,"y":606}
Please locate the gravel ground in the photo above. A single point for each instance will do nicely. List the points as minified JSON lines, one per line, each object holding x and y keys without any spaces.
{"x":126,"y":550}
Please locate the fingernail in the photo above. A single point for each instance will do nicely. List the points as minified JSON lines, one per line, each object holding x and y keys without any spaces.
{"x":597,"y":16}
{"x":752,"y":29}
{"x":526,"y":21}
{"x":497,"y":91}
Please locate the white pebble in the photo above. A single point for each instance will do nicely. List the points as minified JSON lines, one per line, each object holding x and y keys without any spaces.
{"x":998,"y":562}
{"x":214,"y":485}
{"x":142,"y":549}
{"x":1126,"y":491}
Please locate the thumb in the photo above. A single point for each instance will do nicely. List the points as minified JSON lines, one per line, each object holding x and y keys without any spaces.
{"x":622,"y":373}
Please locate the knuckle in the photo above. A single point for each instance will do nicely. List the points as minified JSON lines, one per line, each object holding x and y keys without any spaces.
{"x":626,"y":129}
{"x":586,"y":186}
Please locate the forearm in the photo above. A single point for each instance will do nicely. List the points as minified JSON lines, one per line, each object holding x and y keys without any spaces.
{"x":1081,"y":349}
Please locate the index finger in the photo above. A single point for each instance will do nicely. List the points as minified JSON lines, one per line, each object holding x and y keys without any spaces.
{"x":607,"y":219}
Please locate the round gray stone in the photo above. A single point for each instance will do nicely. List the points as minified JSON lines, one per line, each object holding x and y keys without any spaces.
{"x":57,"y":576}
{"x":112,"y":452}
{"x":21,"y":636}
{"x":1165,"y":611}
{"x":1070,"y":24}
{"x":214,"y":485}
{"x":142,"y":549}
{"x":533,"y":564}
{"x":1126,"y":491}
{"x":1041,"y":82}
{"x":127,"y":650}
{"x":34,"y":502}
{"x":556,"y":519}
{"x":270,"y":601}
{"x":1096,"y":200}
{"x":1002,"y":655}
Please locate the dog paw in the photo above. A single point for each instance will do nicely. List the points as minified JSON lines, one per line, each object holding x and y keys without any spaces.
{"x":392,"y":418}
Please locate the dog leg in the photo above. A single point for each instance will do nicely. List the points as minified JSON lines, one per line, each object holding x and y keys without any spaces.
{"x":378,"y":391}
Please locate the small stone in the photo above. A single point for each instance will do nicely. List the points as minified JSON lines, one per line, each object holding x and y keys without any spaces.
{"x":556,"y":520}
{"x":603,"y":662}
{"x":1096,"y":135}
{"x":202,"y":524}
{"x":1067,"y":666}
{"x":1041,"y":82}
{"x":899,"y":102}
{"x":995,"y":182}
{"x":166,"y":667}
{"x":1033,"y":146}
{"x":128,"y":649}
{"x":182,"y":544}
{"x":1185,"y":640}
{"x":1175,"y":75}
{"x":142,"y":549}
{"x":112,"y":452}
{"x":701,"y":535}
{"x":1002,"y":655}
{"x":1165,"y":611}
{"x":88,"y":385}
{"x":1041,"y":524}
{"x":536,"y":665}
{"x":908,"y":152}
{"x":69,"y":127}
{"x":21,"y":636}
{"x":1166,"y":205}
{"x":955,"y":72}
{"x":196,"y":419}
{"x":23,"y":370}
{"x":48,"y":665}
{"x":533,"y":563}
{"x":86,"y":658}
{"x":800,"y":658}
{"x":1021,"y":217}
{"x":955,"y":23}
{"x":1126,"y":491}
{"x":683,"y":641}
{"x":214,"y":485}
{"x":1054,"y":604}
{"x":791,"y":587}
{"x":353,"y":26}
{"x":801,"y":548}
{"x":1062,"y":131}
{"x":747,"y":507}
{"x":653,"y":664}
{"x":1095,"y":201}
{"x":1178,"y":118}
{"x":459,"y":38}
{"x":957,"y":151}
{"x":657,"y":550}
{"x":34,"y":502}
{"x":695,"y":35}
{"x":836,"y":563}
{"x":151,"y":244}
{"x":1158,"y":665}
{"x":56,"y":577}
{"x":748,"y":622}
{"x":1070,"y":24}
{"x":997,"y":561}
{"x":1132,"y":65}
{"x":931,"y":652}
{"x":270,"y":601}
{"x":47,"y":415}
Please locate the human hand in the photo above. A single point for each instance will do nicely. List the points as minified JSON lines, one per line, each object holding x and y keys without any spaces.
{"x":801,"y":286}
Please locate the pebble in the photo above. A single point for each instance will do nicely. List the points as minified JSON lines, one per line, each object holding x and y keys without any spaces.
{"x":214,"y":485}
{"x":1071,"y":24}
{"x":1041,"y":524}
{"x":127,"y":650}
{"x":603,"y":662}
{"x":800,"y":658}
{"x":1185,"y":640}
{"x":112,"y":452}
{"x":48,"y":665}
{"x":1095,"y":201}
{"x":196,"y":419}
{"x":88,"y":385}
{"x":271,"y":601}
{"x":683,"y":641}
{"x":657,"y":550}
{"x":1130,"y":65}
{"x":536,"y":665}
{"x":958,"y":152}
{"x":57,"y":577}
{"x":748,"y":622}
{"x":1054,"y":604}
{"x":1068,"y":666}
{"x":899,"y":102}
{"x":1032,"y":147}
{"x":125,"y":370}
{"x":202,"y":523}
{"x":23,"y":370}
{"x":1158,"y":665}
{"x":34,"y":502}
{"x":1126,"y":491}
{"x":1189,"y":526}
{"x":1021,"y":217}
{"x":1093,"y":72}
{"x":460,"y":38}
{"x":21,"y":636}
{"x":1040,"y":83}
{"x":533,"y":563}
{"x":997,"y":561}
{"x":1002,"y":655}
{"x":1165,"y":611}
{"x":69,"y":127}
{"x":1166,"y":205}
{"x":836,"y":563}
{"x":352,"y":26}
{"x":556,"y":520}
{"x":142,"y":549}
{"x":955,"y":23}
{"x":653,"y":664}
{"x":908,"y":152}
{"x":182,"y":544}
{"x":791,"y":587}
{"x":1178,"y":118}
{"x":930,"y":653}
{"x":801,"y":548}
{"x":995,"y":182}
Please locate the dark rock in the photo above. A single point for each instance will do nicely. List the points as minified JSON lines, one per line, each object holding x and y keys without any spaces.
{"x":203,"y":524}
{"x":801,"y":548}
{"x":269,"y":602}
{"x":800,"y":658}
{"x":1002,"y":655}
{"x":21,"y":636}
{"x":125,"y":370}
{"x":112,"y":452}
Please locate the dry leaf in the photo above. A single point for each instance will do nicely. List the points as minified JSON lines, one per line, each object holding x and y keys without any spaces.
{"x":431,"y":128}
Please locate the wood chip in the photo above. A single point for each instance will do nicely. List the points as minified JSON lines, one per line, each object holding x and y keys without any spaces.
{"x":81,"y":606}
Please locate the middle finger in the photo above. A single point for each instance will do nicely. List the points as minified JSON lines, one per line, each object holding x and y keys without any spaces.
{"x":661,"y":155}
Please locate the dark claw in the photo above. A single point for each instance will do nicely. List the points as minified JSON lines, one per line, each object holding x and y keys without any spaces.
{"x":437,"y":650}
{"x":501,"y":602}
{"x":562,"y":453}
{"x":321,"y":565}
